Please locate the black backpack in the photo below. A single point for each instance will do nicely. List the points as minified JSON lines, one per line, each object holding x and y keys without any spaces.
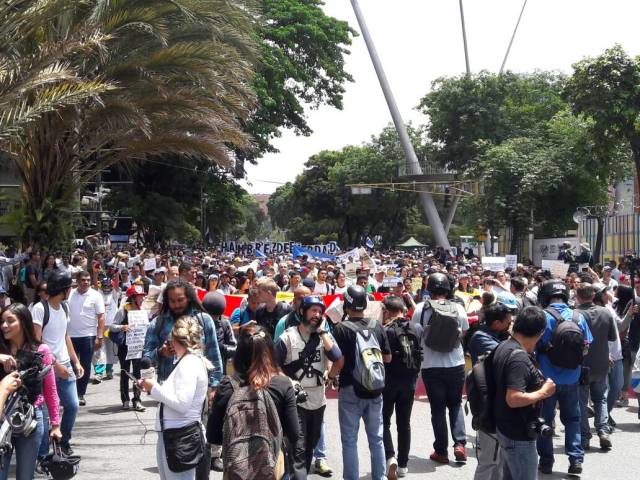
{"x":47,"y":312}
{"x":566,"y":348}
{"x":409,"y":350}
{"x":481,"y":390}
{"x":442,"y":332}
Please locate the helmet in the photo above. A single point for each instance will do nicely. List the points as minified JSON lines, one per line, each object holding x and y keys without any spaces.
{"x":214,"y":303}
{"x":552,"y":288}
{"x":58,"y":282}
{"x":135,"y":290}
{"x":355,"y":298}
{"x":59,"y":466}
{"x":438,"y":283}
{"x":311,"y":300}
{"x":105,"y":283}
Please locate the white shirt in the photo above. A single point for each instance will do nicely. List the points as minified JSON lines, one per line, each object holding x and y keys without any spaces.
{"x":321,"y":288}
{"x":54,"y":334}
{"x":84,"y":310}
{"x":182,"y":393}
{"x":110,"y":306}
{"x":433,"y":359}
{"x":340,"y":290}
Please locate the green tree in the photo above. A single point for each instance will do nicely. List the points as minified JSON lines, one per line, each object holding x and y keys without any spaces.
{"x":302,"y":53}
{"x":174,"y":78}
{"x":607,"y":89}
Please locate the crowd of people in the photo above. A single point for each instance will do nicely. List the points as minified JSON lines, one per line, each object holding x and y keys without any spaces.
{"x":244,"y":391}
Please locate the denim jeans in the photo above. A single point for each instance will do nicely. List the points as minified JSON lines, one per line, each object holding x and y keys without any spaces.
{"x":519,"y":458}
{"x":320,"y":452}
{"x":398,"y":397}
{"x":444,"y":389}
{"x":351,"y":409}
{"x":616,"y":379}
{"x":84,"y":350}
{"x":598,"y":393}
{"x":68,"y":394}
{"x":568,"y":398}
{"x":26,"y":452}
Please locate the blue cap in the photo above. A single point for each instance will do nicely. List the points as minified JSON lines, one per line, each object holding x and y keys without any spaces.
{"x":508,"y":299}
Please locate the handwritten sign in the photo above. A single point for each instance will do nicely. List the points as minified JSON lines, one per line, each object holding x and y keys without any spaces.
{"x":557,"y":268}
{"x":149,"y":264}
{"x":495,"y":264}
{"x":138,"y":323}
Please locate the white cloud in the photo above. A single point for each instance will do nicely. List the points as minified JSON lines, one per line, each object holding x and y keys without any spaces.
{"x":420,"y":40}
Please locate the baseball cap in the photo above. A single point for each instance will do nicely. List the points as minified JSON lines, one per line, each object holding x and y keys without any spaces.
{"x":160,"y":270}
{"x":508,"y":299}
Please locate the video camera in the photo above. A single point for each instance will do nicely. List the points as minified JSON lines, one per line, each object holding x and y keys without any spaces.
{"x":18,"y":416}
{"x":633,"y":261}
{"x":535,"y":424}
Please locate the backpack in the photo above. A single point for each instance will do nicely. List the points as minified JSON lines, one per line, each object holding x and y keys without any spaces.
{"x":368,"y":372}
{"x":442,"y":333}
{"x":252,"y":435}
{"x":566,"y":348}
{"x":480,"y":386}
{"x":409,"y":353}
{"x":47,"y":312}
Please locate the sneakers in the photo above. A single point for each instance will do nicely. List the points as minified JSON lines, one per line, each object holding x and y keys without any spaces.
{"x":39,"y":469}
{"x":392,"y":469}
{"x":82,"y":402}
{"x":623,"y":402}
{"x":108,"y":376}
{"x":605,"y":441}
{"x":217,"y":465}
{"x":460,"y":452}
{"x":575,"y":468}
{"x":66,"y":450}
{"x":439,"y":458}
{"x":546,"y":469}
{"x":97,"y":380}
{"x":126,"y":405}
{"x":138,"y":407}
{"x":322,"y":468}
{"x":402,"y":472}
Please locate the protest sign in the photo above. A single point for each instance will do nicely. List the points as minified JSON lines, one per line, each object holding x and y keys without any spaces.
{"x":149,"y":264}
{"x":138,"y":323}
{"x":274,"y":248}
{"x":416,"y":284}
{"x":366,"y":261}
{"x":391,"y":282}
{"x":511,"y":261}
{"x":350,"y":270}
{"x":495,"y":264}
{"x":350,"y":256}
{"x":557,"y":268}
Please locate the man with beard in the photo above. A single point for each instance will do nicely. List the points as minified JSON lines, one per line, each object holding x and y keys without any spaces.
{"x":178,"y":299}
{"x":304,"y":352}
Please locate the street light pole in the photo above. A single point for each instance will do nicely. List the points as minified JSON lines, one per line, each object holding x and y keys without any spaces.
{"x":464,"y":39}
{"x":428,"y":205}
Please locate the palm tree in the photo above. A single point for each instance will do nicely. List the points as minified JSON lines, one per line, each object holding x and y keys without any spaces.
{"x":133,"y":78}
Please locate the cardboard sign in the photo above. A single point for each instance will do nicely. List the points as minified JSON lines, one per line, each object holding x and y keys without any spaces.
{"x":557,"y":268}
{"x":350,"y":270}
{"x":495,"y":264}
{"x":149,"y":264}
{"x":511,"y":261}
{"x":138,"y":321}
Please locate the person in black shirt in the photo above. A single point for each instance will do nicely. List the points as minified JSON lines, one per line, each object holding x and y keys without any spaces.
{"x":519,"y":385}
{"x":268,"y":314}
{"x":400,"y":384}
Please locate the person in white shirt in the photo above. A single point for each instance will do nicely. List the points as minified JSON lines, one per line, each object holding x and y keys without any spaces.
{"x":52,"y":330}
{"x":106,"y":356}
{"x":86,"y":326}
{"x":322,"y":287}
{"x":183,"y":393}
{"x":607,"y":278}
{"x":341,"y":283}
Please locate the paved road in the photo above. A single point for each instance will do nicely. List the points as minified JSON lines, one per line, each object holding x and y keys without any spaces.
{"x":113,"y":446}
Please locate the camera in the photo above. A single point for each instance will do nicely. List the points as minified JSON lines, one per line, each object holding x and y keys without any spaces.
{"x":301,"y":395}
{"x":538,"y":428}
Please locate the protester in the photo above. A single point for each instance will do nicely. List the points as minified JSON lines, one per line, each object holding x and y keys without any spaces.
{"x":183,"y":392}
{"x":21,"y":350}
{"x":444,"y":322}
{"x":268,"y":314}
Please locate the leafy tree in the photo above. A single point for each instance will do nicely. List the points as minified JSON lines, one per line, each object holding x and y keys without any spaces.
{"x":162,"y":76}
{"x":607,"y":89}
{"x":472,"y":112}
{"x":302,"y":54}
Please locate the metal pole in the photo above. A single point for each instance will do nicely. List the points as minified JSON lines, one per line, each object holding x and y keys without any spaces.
{"x":428,"y":205}
{"x":451,"y":213}
{"x":512,"y":37}
{"x":464,"y":39}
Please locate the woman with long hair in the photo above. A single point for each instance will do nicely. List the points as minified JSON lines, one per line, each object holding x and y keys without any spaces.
{"x":20,"y":350}
{"x":242,"y":285}
{"x":256,"y":366}
{"x":48,"y":266}
{"x":183,"y":393}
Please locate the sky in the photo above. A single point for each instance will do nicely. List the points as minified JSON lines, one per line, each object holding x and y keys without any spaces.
{"x":421,"y":40}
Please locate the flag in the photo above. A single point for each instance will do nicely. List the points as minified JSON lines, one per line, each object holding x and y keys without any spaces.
{"x":259,"y":254}
{"x":369,"y":243}
{"x":300,"y":251}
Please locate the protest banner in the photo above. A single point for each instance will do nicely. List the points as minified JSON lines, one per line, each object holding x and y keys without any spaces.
{"x":557,"y":268}
{"x":511,"y":261}
{"x":138,"y":323}
{"x":366,"y":261}
{"x":274,"y":248}
{"x":350,"y":256}
{"x":495,"y":264}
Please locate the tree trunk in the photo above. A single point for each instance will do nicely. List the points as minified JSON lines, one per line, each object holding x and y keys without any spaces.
{"x":515,"y":234}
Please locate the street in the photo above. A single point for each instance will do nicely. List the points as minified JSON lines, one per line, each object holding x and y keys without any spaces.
{"x":113,"y":444}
